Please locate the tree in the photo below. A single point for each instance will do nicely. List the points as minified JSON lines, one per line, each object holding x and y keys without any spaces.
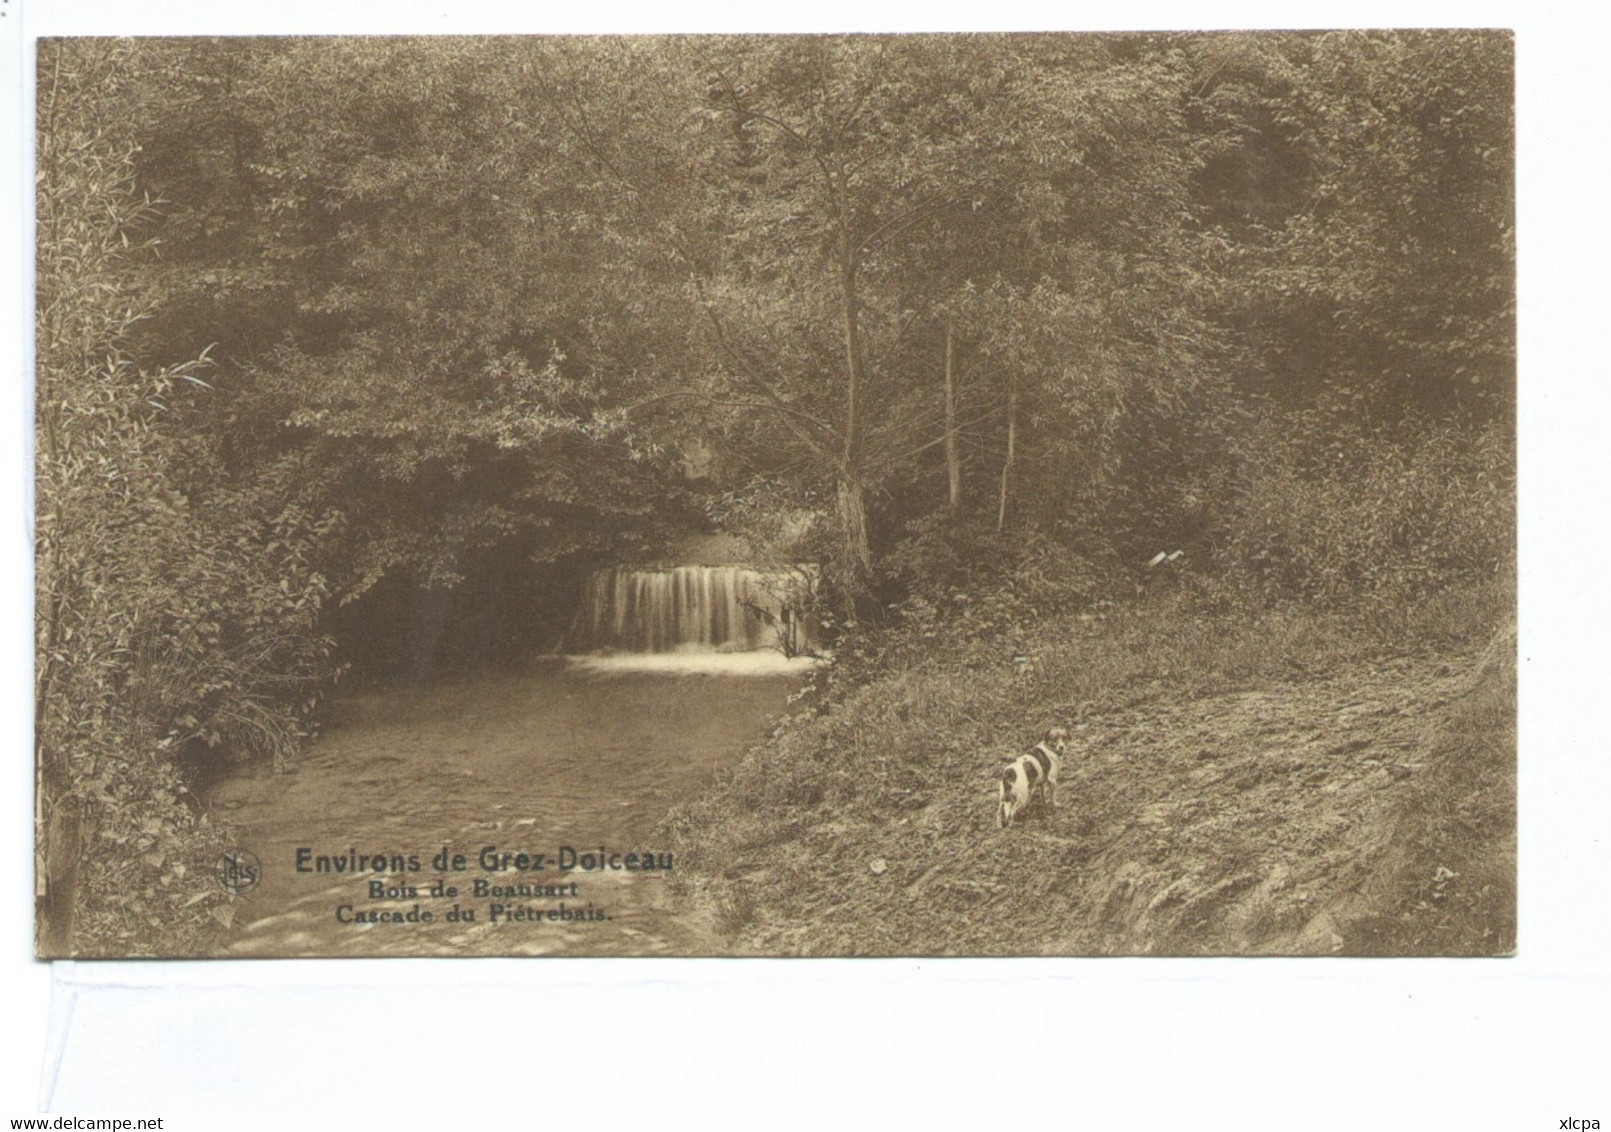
{"x":1376,"y":271}
{"x":1374,"y":287}
{"x":446,"y":350}
{"x":838,"y":205}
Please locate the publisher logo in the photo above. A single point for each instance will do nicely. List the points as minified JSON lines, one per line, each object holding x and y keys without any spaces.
{"x":239,"y":871}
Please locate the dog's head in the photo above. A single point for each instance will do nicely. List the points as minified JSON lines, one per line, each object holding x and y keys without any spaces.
{"x":1057,"y":739}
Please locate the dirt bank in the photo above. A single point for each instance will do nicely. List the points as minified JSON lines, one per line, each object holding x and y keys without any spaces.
{"x":1263,"y":819}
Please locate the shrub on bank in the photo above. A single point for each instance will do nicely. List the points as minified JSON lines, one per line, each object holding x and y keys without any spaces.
{"x":173,"y":618}
{"x":1368,"y":521}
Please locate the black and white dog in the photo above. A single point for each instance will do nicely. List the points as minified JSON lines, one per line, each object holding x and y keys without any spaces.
{"x":1032,"y":774}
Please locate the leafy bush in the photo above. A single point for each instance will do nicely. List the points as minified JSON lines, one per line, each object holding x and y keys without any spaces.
{"x":169,"y":620}
{"x":941,"y":558}
{"x":1371,"y":520}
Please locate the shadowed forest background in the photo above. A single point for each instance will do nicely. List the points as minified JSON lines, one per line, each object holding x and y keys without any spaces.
{"x":357,"y":356}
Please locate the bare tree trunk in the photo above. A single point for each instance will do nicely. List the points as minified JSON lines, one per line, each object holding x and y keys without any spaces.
{"x":856,"y":549}
{"x":1012,"y":454}
{"x":853,"y":524}
{"x":851,"y":312}
{"x":953,"y":458}
{"x":856,"y":545}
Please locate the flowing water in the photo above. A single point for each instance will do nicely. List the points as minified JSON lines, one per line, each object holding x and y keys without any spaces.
{"x":697,"y":609}
{"x":580,"y":756}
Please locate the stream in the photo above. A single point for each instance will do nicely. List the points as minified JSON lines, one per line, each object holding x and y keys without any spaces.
{"x":559,"y":754}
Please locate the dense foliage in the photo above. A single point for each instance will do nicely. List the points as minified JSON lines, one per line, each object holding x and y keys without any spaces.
{"x":376,"y":340}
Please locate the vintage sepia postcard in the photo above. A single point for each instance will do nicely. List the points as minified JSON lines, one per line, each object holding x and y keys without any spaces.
{"x":875,"y":495}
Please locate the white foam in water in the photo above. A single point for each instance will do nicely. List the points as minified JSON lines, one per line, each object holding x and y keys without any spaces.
{"x":760,"y":662}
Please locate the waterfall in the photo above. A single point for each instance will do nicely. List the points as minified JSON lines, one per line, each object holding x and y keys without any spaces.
{"x":697,"y":609}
